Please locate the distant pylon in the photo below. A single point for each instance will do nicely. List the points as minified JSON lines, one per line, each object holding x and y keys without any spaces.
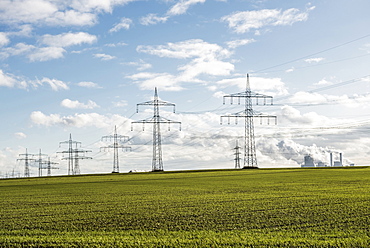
{"x":40,"y":161}
{"x":73,"y":155}
{"x":250,"y":158}
{"x":26,"y":160}
{"x":49,"y":167}
{"x":157,"y":163}
{"x":237,"y":156}
{"x":116,"y":139}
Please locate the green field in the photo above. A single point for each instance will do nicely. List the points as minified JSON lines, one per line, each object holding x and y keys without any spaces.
{"x":244,"y":208}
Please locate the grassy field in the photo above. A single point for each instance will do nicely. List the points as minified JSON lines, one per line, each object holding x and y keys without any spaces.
{"x":247,"y":208}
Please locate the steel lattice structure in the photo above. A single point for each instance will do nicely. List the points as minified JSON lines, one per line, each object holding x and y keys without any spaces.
{"x":156,"y":120}
{"x":73,"y":155}
{"x":250,"y":158}
{"x":116,"y":139}
{"x":237,"y":156}
{"x":27,"y":161}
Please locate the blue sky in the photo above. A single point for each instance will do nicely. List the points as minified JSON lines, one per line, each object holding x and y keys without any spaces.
{"x":81,"y":66}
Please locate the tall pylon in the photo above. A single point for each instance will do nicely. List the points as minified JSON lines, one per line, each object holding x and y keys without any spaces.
{"x":116,"y":139}
{"x":27,"y":161}
{"x":250,"y":158}
{"x":73,"y":155}
{"x":237,"y":155}
{"x":156,"y":120}
{"x":40,"y":161}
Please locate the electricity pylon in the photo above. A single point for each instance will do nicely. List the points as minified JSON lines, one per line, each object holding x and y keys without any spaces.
{"x":73,"y":155}
{"x":40,"y":161}
{"x":250,"y":158}
{"x":237,"y":156}
{"x":26,"y":160}
{"x":49,"y":167}
{"x":156,"y":120}
{"x":116,"y":139}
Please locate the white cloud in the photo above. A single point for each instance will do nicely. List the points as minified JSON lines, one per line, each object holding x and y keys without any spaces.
{"x":116,"y":44}
{"x":68,"y":39}
{"x":67,"y":103}
{"x":182,"y":6}
{"x":125,"y":24}
{"x":103,"y":56}
{"x":313,"y":60}
{"x":245,"y":21}
{"x":77,"y":120}
{"x":163,"y":81}
{"x":205,"y":59}
{"x":89,"y":85}
{"x":55,"y":84}
{"x":354,"y":101}
{"x":20,"y":135}
{"x":237,"y":43}
{"x":292,"y":115}
{"x":323,"y":82}
{"x":152,"y":19}
{"x":4,"y":40}
{"x":268,"y":86}
{"x":120,"y":104}
{"x":186,"y":49}
{"x":55,"y":13}
{"x":46,"y":53}
{"x":141,"y":65}
{"x":10,"y":80}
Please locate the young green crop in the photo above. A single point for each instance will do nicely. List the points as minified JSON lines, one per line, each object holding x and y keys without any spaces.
{"x":282,"y":207}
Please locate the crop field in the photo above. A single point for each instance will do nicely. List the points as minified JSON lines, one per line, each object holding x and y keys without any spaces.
{"x":327,"y":207}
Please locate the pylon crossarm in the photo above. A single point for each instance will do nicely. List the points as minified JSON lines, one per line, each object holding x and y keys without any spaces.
{"x":158,"y":103}
{"x":248,"y":95}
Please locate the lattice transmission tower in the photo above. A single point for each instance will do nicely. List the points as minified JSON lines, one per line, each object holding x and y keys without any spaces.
{"x":117,"y":139}
{"x":40,"y":161}
{"x":250,"y":158}
{"x":237,"y":155}
{"x":73,"y":155}
{"x":27,"y":161}
{"x":49,"y":166}
{"x":156,"y":120}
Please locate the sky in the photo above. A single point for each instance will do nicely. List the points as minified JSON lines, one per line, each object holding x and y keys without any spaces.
{"x":80,"y":67}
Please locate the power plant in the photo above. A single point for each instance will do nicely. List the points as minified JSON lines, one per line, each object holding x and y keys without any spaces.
{"x":309,"y":162}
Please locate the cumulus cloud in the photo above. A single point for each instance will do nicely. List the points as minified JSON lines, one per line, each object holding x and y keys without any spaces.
{"x":9,"y":80}
{"x":291,"y":115}
{"x":141,"y":65}
{"x":313,"y":60}
{"x":104,"y":57}
{"x":55,"y":84}
{"x":76,"y":120}
{"x":268,"y":86}
{"x":67,"y":103}
{"x":204,"y":59}
{"x":55,"y":13}
{"x":152,"y":19}
{"x":46,"y":53}
{"x":89,"y":85}
{"x":68,"y":39}
{"x":4,"y":40}
{"x":20,"y":135}
{"x":125,"y":23}
{"x":245,"y":21}
{"x":182,"y":6}
{"x":237,"y":43}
